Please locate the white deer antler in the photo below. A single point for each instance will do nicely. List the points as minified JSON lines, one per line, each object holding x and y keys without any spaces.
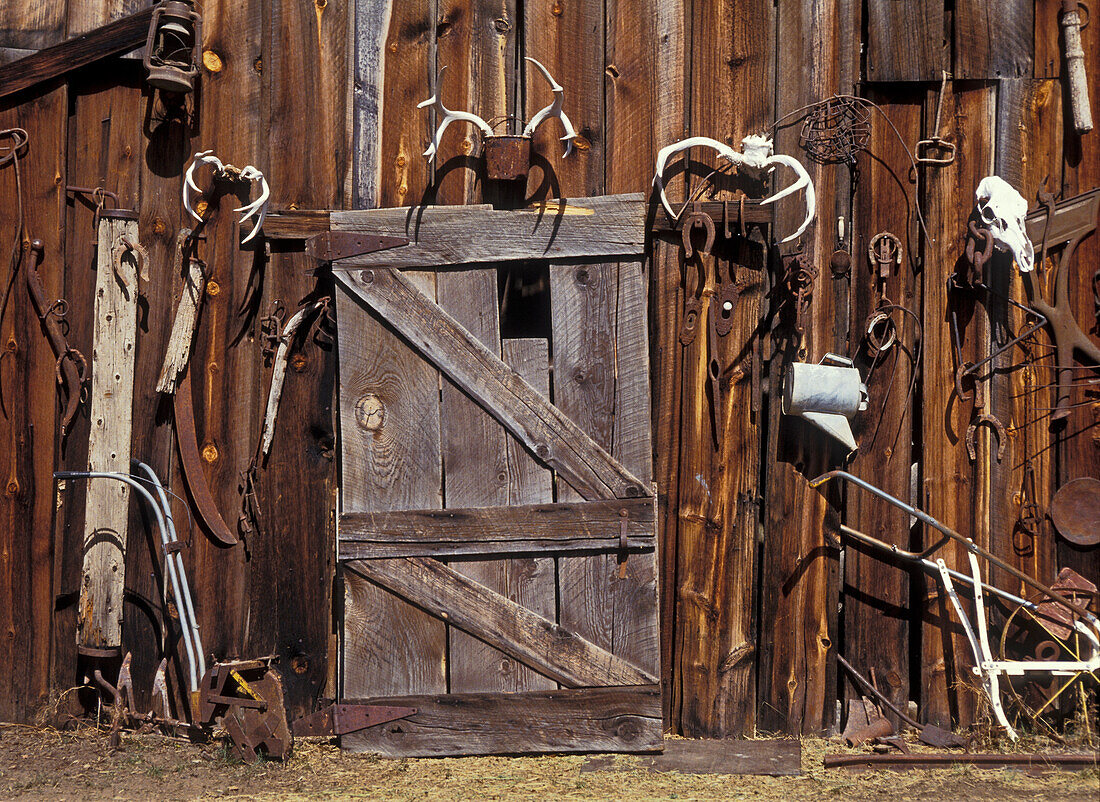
{"x":250,"y":173}
{"x":448,"y":118}
{"x":757,"y":156}
{"x":228,"y":171}
{"x":200,"y":158}
{"x":553,"y":110}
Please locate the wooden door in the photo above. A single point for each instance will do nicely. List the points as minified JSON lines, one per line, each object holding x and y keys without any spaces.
{"x":497,"y":529}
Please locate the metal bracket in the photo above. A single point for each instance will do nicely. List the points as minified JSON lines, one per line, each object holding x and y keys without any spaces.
{"x":332,"y":245}
{"x":342,"y":719}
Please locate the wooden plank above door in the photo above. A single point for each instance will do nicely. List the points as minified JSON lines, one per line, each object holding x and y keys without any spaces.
{"x":607,"y":226}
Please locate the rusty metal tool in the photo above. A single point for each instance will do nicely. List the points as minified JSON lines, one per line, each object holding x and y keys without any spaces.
{"x":1072,"y":221}
{"x":245,"y":697}
{"x":697,"y":219}
{"x":1075,"y":511}
{"x":994,"y":423}
{"x":884,"y":250}
{"x":341,"y":719}
{"x":187,"y":439}
{"x":985,"y":666}
{"x":925,"y":760}
{"x":928,"y":733}
{"x":329,"y":246}
{"x":72,"y":367}
{"x":935,"y":143}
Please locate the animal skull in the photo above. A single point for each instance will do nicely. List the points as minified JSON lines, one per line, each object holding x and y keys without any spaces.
{"x":755,"y":157}
{"x":228,"y":171}
{"x":1003,"y":210}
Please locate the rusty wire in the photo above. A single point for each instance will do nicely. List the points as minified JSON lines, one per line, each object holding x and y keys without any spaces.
{"x":836,"y":130}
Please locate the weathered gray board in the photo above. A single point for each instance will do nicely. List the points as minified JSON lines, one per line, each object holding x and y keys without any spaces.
{"x":410,"y":619}
{"x":607,"y":226}
{"x":107,"y":503}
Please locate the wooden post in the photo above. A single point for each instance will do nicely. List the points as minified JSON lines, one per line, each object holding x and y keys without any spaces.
{"x":99,"y":617}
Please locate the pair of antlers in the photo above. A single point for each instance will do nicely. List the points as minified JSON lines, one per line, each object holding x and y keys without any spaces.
{"x":228,"y":171}
{"x":449,"y":116}
{"x":755,"y":156}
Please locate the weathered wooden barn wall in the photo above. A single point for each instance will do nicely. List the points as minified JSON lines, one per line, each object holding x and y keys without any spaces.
{"x":322,"y":96}
{"x":274,"y":94}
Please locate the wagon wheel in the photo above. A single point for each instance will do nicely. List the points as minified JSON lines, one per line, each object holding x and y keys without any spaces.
{"x":1045,"y":700}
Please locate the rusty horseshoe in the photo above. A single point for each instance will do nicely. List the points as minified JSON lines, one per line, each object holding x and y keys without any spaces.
{"x":999,"y":429}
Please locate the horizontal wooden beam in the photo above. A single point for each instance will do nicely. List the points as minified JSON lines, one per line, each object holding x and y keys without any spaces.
{"x":51,"y":62}
{"x":305,"y":223}
{"x":543,"y":428}
{"x":608,"y":227}
{"x":584,"y":720}
{"x":295,"y":223}
{"x":721,"y":212}
{"x":535,"y":641}
{"x":584,"y":526}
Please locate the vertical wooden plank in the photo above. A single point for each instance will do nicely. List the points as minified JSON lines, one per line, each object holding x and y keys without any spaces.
{"x":225,"y":358}
{"x":667,"y":301}
{"x":992,"y":40}
{"x":568,"y":39}
{"x":292,"y":566}
{"x":951,"y":487}
{"x":669,"y":125}
{"x":85,"y":15}
{"x":713,"y":674}
{"x":601,"y":376}
{"x":876,"y":593}
{"x":1047,"y":38}
{"x":406,"y":79}
{"x":1030,"y":125}
{"x":106,"y":507}
{"x":630,"y":96}
{"x":158,"y":156}
{"x":390,"y":460}
{"x":32,"y":25}
{"x":905,"y":41}
{"x":1079,"y":441}
{"x":799,"y":584}
{"x":28,"y":426}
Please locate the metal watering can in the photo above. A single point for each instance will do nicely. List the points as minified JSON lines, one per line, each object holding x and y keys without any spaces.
{"x":827,"y":395}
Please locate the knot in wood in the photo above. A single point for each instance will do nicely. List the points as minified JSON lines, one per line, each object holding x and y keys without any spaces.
{"x":367,"y":276}
{"x":210,"y":453}
{"x":370,"y":412}
{"x":213,"y":288}
{"x":542,"y":451}
{"x":298,"y":363}
{"x":212,"y":61}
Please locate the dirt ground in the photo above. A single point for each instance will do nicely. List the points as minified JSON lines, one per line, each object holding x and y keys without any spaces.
{"x":38,"y":763}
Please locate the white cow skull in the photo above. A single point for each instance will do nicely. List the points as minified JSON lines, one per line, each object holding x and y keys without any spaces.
{"x":1003,"y":210}
{"x":755,"y":157}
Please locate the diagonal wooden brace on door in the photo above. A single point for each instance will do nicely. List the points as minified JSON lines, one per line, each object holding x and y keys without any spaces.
{"x":518,"y":632}
{"x":540,"y":426}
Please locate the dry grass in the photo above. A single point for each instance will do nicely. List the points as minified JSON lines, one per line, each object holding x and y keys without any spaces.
{"x":42,"y":763}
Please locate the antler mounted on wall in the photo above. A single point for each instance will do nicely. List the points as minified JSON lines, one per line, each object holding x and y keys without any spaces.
{"x":755,"y":156}
{"x":506,"y":156}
